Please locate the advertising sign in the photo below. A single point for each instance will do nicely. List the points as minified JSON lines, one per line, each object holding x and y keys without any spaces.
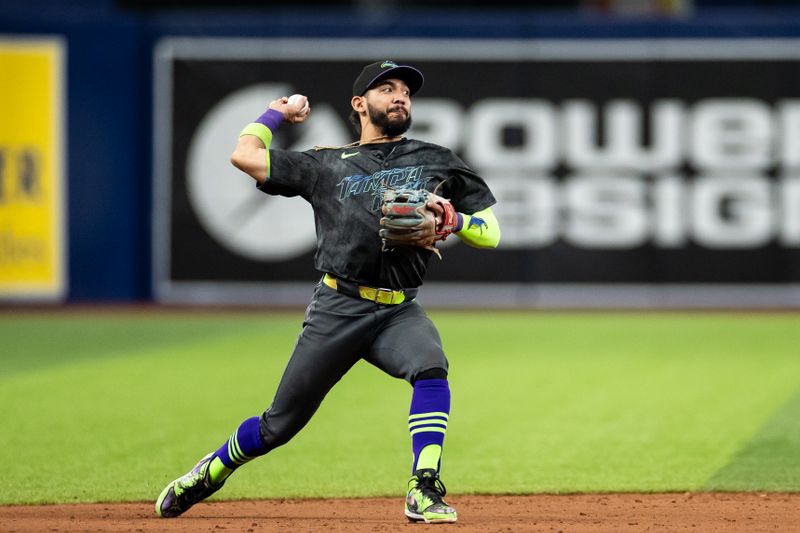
{"x":32,"y":228}
{"x":626,"y":173}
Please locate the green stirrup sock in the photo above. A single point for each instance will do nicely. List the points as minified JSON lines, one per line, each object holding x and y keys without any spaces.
{"x":218,"y":472}
{"x":429,"y":457}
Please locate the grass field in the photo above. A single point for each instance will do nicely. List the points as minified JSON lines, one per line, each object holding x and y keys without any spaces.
{"x":111,"y":406}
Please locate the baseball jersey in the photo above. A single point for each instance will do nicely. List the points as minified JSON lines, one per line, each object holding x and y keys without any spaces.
{"x":345,"y":188}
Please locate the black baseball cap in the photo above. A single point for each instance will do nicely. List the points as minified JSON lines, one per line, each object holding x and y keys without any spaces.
{"x":380,"y":70}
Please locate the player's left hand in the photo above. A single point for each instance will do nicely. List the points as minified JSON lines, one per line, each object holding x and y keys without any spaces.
{"x":295,"y":109}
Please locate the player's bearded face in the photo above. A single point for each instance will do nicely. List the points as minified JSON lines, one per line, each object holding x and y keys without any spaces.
{"x":394,"y":121}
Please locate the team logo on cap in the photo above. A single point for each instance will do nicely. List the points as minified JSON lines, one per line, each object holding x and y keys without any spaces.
{"x":388,"y":64}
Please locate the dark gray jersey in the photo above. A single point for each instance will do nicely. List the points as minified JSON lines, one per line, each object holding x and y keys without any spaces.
{"x":345,"y":187}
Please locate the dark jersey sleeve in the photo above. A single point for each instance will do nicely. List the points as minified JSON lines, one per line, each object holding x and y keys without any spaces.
{"x":465,"y":189}
{"x":292,"y":173}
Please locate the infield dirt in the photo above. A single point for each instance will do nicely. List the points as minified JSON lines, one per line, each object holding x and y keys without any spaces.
{"x":698,"y":512}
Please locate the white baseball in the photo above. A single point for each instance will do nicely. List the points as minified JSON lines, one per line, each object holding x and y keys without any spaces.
{"x":295,"y":98}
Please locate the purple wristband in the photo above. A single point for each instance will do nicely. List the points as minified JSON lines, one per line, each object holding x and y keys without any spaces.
{"x":460,"y":223}
{"x":271,"y":118}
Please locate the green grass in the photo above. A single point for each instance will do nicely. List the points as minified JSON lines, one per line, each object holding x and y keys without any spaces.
{"x":112,"y":407}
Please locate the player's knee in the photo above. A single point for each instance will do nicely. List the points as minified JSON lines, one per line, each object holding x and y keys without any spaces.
{"x":431,"y":373}
{"x":272,"y":436}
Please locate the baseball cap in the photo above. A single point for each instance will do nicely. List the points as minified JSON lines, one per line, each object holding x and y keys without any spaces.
{"x":380,"y":70}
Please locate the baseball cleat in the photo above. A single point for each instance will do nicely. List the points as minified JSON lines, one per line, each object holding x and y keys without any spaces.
{"x":424,"y":500}
{"x":187,"y":490}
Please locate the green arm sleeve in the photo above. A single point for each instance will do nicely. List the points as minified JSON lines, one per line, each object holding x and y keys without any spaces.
{"x":480,"y":230}
{"x":262,"y":132}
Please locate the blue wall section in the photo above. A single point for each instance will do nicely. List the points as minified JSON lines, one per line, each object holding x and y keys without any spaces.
{"x":109,"y":167}
{"x":109,"y":95}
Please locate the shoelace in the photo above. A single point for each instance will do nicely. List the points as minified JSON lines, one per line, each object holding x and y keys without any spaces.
{"x":195,"y":480}
{"x":432,"y":488}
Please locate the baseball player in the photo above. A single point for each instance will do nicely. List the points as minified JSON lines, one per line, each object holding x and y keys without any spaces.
{"x":377,"y":224}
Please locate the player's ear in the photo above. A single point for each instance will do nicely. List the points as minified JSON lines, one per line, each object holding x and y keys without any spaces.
{"x":359,"y":104}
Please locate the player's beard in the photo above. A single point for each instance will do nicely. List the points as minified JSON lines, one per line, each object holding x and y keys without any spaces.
{"x":390,"y":127}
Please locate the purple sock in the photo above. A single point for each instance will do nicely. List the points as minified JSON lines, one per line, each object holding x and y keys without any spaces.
{"x":244,"y":445}
{"x":427,"y":420}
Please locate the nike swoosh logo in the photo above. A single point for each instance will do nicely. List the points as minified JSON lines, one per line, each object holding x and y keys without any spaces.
{"x":345,"y":156}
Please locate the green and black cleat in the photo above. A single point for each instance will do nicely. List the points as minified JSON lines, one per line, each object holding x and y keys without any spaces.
{"x":187,"y":490}
{"x":424,"y":501}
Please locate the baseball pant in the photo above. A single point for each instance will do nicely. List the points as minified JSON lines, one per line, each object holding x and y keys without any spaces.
{"x":338,"y":331}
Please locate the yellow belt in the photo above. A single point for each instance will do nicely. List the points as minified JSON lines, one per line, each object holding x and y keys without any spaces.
{"x":379,"y":296}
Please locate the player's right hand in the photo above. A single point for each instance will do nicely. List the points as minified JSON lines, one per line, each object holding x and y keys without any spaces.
{"x":295,"y":112}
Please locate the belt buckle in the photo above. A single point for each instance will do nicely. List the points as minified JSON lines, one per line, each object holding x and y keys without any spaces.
{"x":384,"y":296}
{"x":389,"y":297}
{"x":381,"y":296}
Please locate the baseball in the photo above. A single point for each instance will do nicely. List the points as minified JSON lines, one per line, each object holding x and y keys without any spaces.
{"x":295,"y":98}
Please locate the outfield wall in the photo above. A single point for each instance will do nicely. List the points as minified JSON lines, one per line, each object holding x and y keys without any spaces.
{"x":638,"y":163}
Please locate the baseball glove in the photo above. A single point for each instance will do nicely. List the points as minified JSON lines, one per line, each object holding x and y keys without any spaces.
{"x":415,"y":217}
